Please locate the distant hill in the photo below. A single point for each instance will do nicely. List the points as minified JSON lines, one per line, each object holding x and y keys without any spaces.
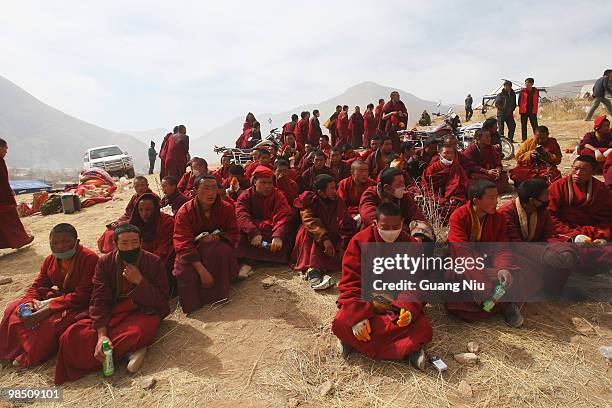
{"x":40,"y":136}
{"x":145,"y":136}
{"x":360,"y":94}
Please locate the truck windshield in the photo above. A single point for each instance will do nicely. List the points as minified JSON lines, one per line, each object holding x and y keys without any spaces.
{"x":105,"y":152}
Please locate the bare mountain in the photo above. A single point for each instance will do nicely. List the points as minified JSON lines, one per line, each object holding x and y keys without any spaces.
{"x":43,"y":137}
{"x":360,"y":94}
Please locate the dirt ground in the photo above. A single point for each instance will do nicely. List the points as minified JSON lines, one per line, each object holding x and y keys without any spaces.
{"x":271,"y":344}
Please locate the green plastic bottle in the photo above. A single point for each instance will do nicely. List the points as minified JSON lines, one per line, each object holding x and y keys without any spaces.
{"x":498,"y":292}
{"x":108,"y":367}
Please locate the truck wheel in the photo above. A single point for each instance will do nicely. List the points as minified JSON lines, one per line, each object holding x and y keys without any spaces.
{"x":130,"y":173}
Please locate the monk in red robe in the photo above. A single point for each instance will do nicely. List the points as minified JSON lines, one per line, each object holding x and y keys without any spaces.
{"x":301,"y":128}
{"x":372,"y":148}
{"x":394,"y":118}
{"x":205,"y":265}
{"x":445,"y":183}
{"x":177,"y":154}
{"x":324,"y":145}
{"x":185,"y":184}
{"x":265,"y":160}
{"x":31,"y":340}
{"x":128,"y":302}
{"x":172,"y":197}
{"x":391,"y":188}
{"x":369,"y":125}
{"x":324,"y":233}
{"x":482,"y":161}
{"x":352,"y":188}
{"x":291,"y":150}
{"x":378,"y":113}
{"x":263,"y":215}
{"x":349,"y":155}
{"x":479,"y":221}
{"x":397,"y":330}
{"x":163,"y":152}
{"x":343,"y":135}
{"x":356,"y":127}
{"x":537,"y":157}
{"x":247,"y":128}
{"x":289,"y":127}
{"x":222,"y":173}
{"x":283,"y":182}
{"x":607,"y":171}
{"x":333,"y":125}
{"x":599,"y":142}
{"x":314,"y":128}
{"x":12,"y":233}
{"x":339,"y":168}
{"x":318,"y":167}
{"x":411,"y":164}
{"x":381,"y":158}
{"x":236,"y":183}
{"x":544,"y":267}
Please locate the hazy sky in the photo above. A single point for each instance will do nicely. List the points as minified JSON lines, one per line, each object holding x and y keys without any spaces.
{"x":143,"y":64}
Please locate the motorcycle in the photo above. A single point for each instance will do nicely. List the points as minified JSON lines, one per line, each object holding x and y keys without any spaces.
{"x":242,"y":156}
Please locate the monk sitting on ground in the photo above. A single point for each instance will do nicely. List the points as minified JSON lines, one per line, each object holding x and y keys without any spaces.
{"x":185,"y":185}
{"x":391,"y":189}
{"x":222,"y":173}
{"x":283,"y":182}
{"x":141,"y":186}
{"x":351,"y":188}
{"x":128,"y":302}
{"x":381,"y":158}
{"x":236,"y":183}
{"x":546,"y":266}
{"x":598,"y":143}
{"x":264,"y":160}
{"x":326,"y":228}
{"x":371,"y":148}
{"x":482,"y":161}
{"x":445,"y":182}
{"x":310,"y":174}
{"x":172,"y":197}
{"x":339,"y":169}
{"x":607,"y":171}
{"x":537,"y":157}
{"x":291,"y":150}
{"x":263,"y":216}
{"x":394,"y":331}
{"x":205,"y":265}
{"x":479,"y":221}
{"x":29,"y":340}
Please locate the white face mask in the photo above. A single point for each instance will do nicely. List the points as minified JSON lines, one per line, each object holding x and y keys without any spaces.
{"x":445,"y":162}
{"x":389,"y":235}
{"x":399,"y":192}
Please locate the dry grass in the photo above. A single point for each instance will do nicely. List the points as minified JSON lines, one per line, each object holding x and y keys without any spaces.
{"x":270,"y":347}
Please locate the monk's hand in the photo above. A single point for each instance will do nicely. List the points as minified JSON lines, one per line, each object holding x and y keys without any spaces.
{"x":36,"y":317}
{"x":404,"y":319}
{"x":256,"y":241}
{"x":329,"y":249}
{"x":98,"y":353}
{"x":206,"y":279}
{"x":276,"y":244}
{"x":132,"y":274}
{"x":599,"y":155}
{"x":362,"y":330}
{"x":505,"y":278}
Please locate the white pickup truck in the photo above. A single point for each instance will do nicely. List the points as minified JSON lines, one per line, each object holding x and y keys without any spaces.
{"x":110,"y":158}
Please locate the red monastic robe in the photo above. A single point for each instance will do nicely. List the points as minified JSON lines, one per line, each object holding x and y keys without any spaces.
{"x":131,"y":313}
{"x":372,"y":198}
{"x":177,"y":155}
{"x":343,"y":135}
{"x":446,"y":185}
{"x":376,"y":164}
{"x":389,"y":341}
{"x":175,"y":200}
{"x":607,"y":172}
{"x":129,"y":208}
{"x":310,"y":174}
{"x":340,"y":171}
{"x":185,"y":184}
{"x":219,"y":257}
{"x":356,"y":129}
{"x":267,"y":216}
{"x":31,"y":347}
{"x":527,"y":169}
{"x":369,"y":127}
{"x":314,"y":131}
{"x":12,"y":233}
{"x":350,"y":193}
{"x":391,"y":128}
{"x":378,"y":113}
{"x":476,"y":161}
{"x":321,"y":220}
{"x":289,"y":188}
{"x":163,"y":152}
{"x":301,"y":131}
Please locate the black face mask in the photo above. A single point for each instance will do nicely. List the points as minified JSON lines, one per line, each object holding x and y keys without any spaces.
{"x":129,"y":256}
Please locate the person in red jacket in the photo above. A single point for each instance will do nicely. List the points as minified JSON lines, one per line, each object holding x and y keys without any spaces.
{"x":356,"y":127}
{"x":397,"y":330}
{"x":128,"y":302}
{"x":172,"y":197}
{"x":479,"y":221}
{"x":205,"y":265}
{"x":482,"y":161}
{"x":343,"y":135}
{"x":31,"y":340}
{"x":314,"y":129}
{"x":352,"y":188}
{"x":325,"y":230}
{"x":301,"y":128}
{"x":370,"y":123}
{"x":528,"y":100}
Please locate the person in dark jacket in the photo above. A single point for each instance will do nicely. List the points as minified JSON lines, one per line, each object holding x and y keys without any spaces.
{"x":468,"y":108}
{"x":152,"y":157}
{"x":602,"y":85}
{"x":505,"y":102}
{"x":528,"y":107}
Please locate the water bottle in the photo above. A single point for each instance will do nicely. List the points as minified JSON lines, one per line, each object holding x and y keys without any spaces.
{"x":24,"y":310}
{"x":265,"y":245}
{"x":498,"y":292}
{"x":108,"y":367}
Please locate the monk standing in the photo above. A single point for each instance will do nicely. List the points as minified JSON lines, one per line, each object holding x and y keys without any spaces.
{"x":369,"y":125}
{"x":289,"y":127}
{"x":343,"y":134}
{"x":482,"y":161}
{"x":163,"y":153}
{"x":128,"y":302}
{"x":378,"y":114}
{"x":394,"y":331}
{"x":177,"y":154}
{"x":351,"y":188}
{"x":31,"y":340}
{"x":205,"y":265}
{"x":12,"y":233}
{"x":314,"y":128}
{"x":356,"y":127}
{"x":394,"y":118}
{"x":332,"y":121}
{"x":301,"y":128}
{"x":537,"y":157}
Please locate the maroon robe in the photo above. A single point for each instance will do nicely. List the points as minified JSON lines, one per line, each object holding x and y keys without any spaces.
{"x":177,"y":155}
{"x":343,"y":135}
{"x":372,"y":198}
{"x":218,"y":257}
{"x":185,"y":184}
{"x":70,"y":301}
{"x":376,"y":164}
{"x":163,"y":152}
{"x":266,"y":216}
{"x":301,"y":131}
{"x":288,"y":127}
{"x":290,"y":188}
{"x":131,"y":313}
{"x":388,"y":126}
{"x":129,"y":208}
{"x":446,"y":185}
{"x":314,"y":131}
{"x":527,"y":168}
{"x":476,"y":162}
{"x":369,"y":127}
{"x":378,"y":113}
{"x":175,"y":200}
{"x":340,"y":171}
{"x":356,"y":129}
{"x":607,"y":172}
{"x":351,"y":194}
{"x":494,"y":229}
{"x":309,"y":175}
{"x":388,"y":340}
{"x":12,"y":233}
{"x":321,"y":220}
